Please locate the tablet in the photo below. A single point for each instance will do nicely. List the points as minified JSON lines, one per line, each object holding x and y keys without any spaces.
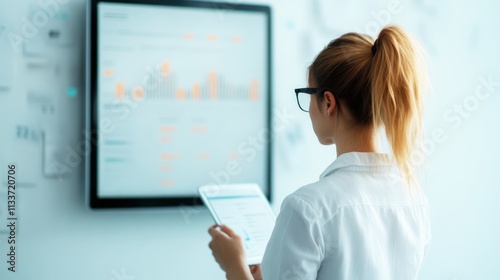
{"x":244,"y":209}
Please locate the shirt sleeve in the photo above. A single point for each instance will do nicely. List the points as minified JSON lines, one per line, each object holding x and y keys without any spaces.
{"x":296,"y":247}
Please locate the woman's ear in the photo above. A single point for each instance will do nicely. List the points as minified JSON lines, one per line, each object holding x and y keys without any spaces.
{"x":330,"y":102}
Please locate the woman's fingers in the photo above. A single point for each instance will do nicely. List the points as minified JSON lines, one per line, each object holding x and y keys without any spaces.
{"x":214,"y":231}
{"x":256,"y":272}
{"x":224,"y":230}
{"x":227,"y":247}
{"x":254,"y":267}
{"x":210,"y":229}
{"x":227,"y":230}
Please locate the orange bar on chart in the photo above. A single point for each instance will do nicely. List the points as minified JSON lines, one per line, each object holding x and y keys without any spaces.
{"x":166,"y":139}
{"x":196,"y":91}
{"x":165,"y":68}
{"x":212,"y":37}
{"x":165,"y":168}
{"x":188,"y":36}
{"x":138,"y":93}
{"x":233,"y":156}
{"x":169,"y":156}
{"x":167,"y":183}
{"x":212,"y":82}
{"x":108,"y":72}
{"x":120,"y":90}
{"x":180,"y":94}
{"x":254,"y":95}
{"x":167,"y":128}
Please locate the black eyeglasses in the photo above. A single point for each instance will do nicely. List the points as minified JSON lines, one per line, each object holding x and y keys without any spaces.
{"x":304,"y":97}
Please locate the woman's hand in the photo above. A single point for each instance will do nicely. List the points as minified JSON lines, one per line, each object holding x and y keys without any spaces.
{"x":228,"y":251}
{"x":256,"y":272}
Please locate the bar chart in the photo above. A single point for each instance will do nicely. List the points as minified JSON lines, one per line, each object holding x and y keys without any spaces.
{"x":162,"y":84}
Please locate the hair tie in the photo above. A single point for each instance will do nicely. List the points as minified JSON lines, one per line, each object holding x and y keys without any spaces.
{"x":374,"y":47}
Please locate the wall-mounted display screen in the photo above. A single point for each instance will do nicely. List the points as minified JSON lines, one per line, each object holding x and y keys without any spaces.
{"x":179,"y":96}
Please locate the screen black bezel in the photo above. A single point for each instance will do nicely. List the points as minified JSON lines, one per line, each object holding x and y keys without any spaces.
{"x":94,"y":200}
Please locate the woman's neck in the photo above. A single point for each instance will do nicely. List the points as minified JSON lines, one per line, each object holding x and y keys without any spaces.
{"x":356,"y":140}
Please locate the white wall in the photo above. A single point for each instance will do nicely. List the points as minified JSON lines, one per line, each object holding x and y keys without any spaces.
{"x":60,"y":238}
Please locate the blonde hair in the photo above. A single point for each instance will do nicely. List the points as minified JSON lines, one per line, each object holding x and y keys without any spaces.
{"x":380,"y":82}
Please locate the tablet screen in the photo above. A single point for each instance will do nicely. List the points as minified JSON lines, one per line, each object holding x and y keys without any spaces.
{"x":246,"y":211}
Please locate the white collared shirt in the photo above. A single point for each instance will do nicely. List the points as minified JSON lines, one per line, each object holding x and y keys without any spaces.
{"x":359,"y":221}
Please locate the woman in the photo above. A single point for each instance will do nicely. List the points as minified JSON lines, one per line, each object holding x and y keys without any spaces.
{"x":366,"y":218}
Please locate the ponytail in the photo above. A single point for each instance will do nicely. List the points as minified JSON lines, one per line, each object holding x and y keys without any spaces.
{"x":380,"y":82}
{"x":397,"y":101}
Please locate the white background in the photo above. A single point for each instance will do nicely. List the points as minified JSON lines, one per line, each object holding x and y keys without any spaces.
{"x":60,"y":238}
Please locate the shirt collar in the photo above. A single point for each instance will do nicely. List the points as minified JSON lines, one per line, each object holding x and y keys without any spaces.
{"x":360,"y":159}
